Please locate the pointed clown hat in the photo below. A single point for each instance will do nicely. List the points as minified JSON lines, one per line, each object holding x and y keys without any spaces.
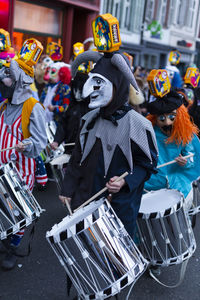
{"x":29,"y":55}
{"x":6,"y":51}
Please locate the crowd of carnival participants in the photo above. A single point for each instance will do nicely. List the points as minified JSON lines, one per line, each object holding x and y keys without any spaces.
{"x":121,"y":143}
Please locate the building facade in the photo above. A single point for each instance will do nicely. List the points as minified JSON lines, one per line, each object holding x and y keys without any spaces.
{"x":150,"y":29}
{"x":62,"y":21}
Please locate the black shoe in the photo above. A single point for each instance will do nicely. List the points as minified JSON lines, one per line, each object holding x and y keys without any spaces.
{"x":10,"y":260}
{"x":41,"y":187}
{"x":2,"y":248}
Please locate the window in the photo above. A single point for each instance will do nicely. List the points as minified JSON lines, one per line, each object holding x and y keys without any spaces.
{"x":181,"y":12}
{"x":128,"y":12}
{"x":112,"y":7}
{"x":150,"y":11}
{"x":163,"y":12}
{"x":136,"y":20}
{"x":125,"y":18}
{"x":190,"y":13}
{"x":37,"y":18}
{"x":150,"y":61}
{"x":172,"y":9}
{"x":34,"y":21}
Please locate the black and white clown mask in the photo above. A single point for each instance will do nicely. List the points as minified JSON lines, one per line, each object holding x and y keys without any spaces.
{"x":99,"y":89}
{"x":7,"y":83}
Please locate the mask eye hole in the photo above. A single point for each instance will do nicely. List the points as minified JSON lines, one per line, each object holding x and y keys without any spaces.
{"x":172,"y":117}
{"x":161,"y":118}
{"x":7,"y":72}
{"x":98,"y":80}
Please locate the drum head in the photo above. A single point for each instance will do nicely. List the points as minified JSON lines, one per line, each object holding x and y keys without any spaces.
{"x":60,"y":160}
{"x":159,"y":201}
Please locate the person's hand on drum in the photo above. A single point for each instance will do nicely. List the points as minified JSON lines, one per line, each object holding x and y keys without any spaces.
{"x":181,"y":161}
{"x":115,"y":186}
{"x":20,"y":147}
{"x":63,"y":199}
{"x":54,"y":145}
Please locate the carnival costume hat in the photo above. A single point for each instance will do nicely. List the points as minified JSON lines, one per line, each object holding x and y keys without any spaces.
{"x":6,"y":51}
{"x":115,"y":62}
{"x":166,"y":104}
{"x":21,"y":70}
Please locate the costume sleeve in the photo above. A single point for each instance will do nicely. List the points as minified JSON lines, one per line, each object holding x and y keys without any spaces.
{"x":188,"y":149}
{"x":66,"y":94}
{"x":72,"y":173}
{"x":143,"y":166}
{"x":37,"y":130}
{"x":62,"y":128}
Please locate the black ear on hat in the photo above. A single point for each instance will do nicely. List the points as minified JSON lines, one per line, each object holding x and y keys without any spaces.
{"x":166,"y":104}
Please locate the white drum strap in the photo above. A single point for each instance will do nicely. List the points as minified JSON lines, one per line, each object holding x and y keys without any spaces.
{"x":181,"y":277}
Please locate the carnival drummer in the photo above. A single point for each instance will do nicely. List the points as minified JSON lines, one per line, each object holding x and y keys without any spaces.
{"x":113,"y":139}
{"x":176,"y":138}
{"x":22,"y":123}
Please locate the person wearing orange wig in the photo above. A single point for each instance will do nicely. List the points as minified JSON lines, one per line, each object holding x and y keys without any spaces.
{"x":176,"y":137}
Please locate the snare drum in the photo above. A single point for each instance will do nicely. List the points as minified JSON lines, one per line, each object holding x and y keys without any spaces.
{"x":57,"y":167}
{"x":18,"y":207}
{"x":96,"y":251}
{"x":165,"y":232}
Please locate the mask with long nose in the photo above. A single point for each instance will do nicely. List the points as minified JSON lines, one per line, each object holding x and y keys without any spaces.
{"x":7,"y":83}
{"x":99,"y":89}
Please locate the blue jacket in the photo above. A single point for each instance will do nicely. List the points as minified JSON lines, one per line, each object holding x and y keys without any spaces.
{"x":174,"y":176}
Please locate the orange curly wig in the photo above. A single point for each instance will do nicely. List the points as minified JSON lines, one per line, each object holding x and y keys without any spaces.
{"x":183,"y":128}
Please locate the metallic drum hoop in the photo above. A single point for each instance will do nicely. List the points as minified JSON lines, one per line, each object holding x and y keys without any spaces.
{"x":116,"y":253}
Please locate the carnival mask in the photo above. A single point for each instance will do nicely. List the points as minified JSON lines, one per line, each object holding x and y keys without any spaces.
{"x":165,"y":122}
{"x":7,"y":83}
{"x":99,"y":89}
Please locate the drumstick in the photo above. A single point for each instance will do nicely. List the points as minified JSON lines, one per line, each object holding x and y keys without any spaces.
{"x":10,"y":148}
{"x":173,"y":161}
{"x":69,"y":144}
{"x":68,"y":207}
{"x":101,"y":191}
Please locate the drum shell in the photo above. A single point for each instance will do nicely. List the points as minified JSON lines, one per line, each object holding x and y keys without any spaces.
{"x":166,"y":238}
{"x":18,"y":207}
{"x":97,"y":243}
{"x":57,"y":166}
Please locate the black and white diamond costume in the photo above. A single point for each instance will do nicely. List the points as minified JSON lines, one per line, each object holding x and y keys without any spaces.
{"x":113,"y":139}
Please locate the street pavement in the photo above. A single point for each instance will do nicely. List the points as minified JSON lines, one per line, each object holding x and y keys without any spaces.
{"x":41,"y":277}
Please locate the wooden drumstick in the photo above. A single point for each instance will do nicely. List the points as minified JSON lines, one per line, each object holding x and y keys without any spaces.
{"x":173,"y":161}
{"x":10,"y":148}
{"x":100,"y":192}
{"x":69,"y":144}
{"x":68,"y":207}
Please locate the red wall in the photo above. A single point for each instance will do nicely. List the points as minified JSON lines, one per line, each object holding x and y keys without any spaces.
{"x":6,"y":14}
